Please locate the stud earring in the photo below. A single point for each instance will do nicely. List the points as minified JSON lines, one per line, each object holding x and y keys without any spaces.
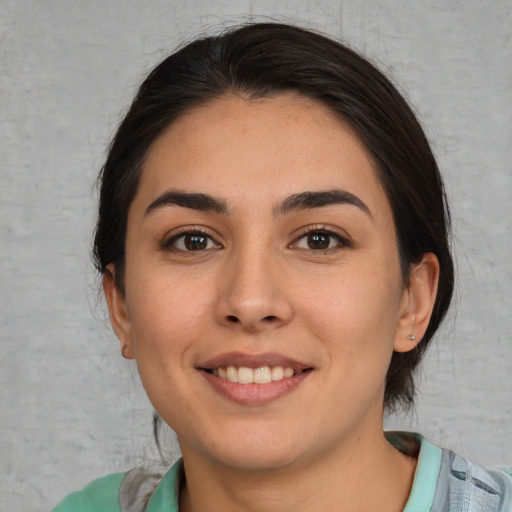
{"x":412,"y":337}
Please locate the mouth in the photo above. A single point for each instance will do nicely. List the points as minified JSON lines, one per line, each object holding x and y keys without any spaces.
{"x":261,"y":375}
{"x":254,"y":379}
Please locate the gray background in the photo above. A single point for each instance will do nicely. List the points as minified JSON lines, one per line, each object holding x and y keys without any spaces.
{"x":71,"y":409}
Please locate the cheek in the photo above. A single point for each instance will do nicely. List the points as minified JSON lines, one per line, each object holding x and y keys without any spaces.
{"x":353,"y":310}
{"x":167,"y":313}
{"x":167,"y":319}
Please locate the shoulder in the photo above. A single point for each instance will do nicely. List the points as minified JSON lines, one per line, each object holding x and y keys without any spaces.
{"x":465,"y":485}
{"x":101,"y":495}
{"x":447,"y":482}
{"x":140,"y":489}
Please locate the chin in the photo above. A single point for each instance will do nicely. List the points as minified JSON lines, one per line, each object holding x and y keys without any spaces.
{"x":253,"y":450}
{"x":256,"y":460}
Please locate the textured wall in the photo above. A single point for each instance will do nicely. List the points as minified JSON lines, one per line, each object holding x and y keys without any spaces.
{"x":71,"y":408}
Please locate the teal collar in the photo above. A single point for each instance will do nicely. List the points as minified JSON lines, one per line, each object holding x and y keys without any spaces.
{"x":427,"y":470}
{"x":166,"y":495}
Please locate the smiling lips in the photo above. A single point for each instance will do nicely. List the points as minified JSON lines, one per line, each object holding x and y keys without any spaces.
{"x":251,"y":379}
{"x":261,"y":375}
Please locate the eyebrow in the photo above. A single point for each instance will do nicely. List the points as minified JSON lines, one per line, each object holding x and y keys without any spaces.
{"x":195,"y":201}
{"x":296,"y":202}
{"x":318,"y":199}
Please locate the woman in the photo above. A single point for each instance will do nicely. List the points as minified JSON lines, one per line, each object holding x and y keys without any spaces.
{"x":273,"y":240}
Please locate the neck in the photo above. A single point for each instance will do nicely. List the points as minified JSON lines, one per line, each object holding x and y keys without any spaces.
{"x":366,"y":473}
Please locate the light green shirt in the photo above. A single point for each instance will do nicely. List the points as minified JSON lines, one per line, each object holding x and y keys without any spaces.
{"x":443,"y":482}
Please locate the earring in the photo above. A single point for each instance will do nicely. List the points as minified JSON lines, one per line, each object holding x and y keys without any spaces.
{"x":412,"y":337}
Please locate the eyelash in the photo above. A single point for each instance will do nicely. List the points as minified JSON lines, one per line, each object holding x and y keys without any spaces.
{"x":171,"y":242}
{"x":340,"y":241}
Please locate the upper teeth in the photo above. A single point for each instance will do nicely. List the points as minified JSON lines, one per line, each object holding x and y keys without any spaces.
{"x":261,"y":375}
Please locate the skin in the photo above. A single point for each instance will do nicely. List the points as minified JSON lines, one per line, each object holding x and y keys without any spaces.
{"x":258,"y":287}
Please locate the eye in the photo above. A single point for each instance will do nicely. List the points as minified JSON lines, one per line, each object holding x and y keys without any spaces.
{"x":320,"y":240}
{"x":191,"y":241}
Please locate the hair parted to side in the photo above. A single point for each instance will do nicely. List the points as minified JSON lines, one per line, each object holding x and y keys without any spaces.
{"x":265,"y":59}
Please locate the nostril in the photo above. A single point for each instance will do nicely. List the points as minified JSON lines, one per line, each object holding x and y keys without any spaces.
{"x":270,"y":318}
{"x":233,"y":319}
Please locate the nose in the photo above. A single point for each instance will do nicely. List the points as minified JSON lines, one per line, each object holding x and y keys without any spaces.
{"x":253,"y":295}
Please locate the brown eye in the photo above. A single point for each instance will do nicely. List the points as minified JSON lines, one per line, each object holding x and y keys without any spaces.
{"x":195,"y":242}
{"x":191,"y":242}
{"x":318,"y":240}
{"x":321,"y":240}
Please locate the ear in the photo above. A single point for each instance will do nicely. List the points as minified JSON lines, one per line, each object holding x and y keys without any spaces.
{"x":417,"y":303}
{"x":118,"y":312}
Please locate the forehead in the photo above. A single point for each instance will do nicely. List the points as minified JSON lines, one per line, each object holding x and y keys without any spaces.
{"x":259,"y":150}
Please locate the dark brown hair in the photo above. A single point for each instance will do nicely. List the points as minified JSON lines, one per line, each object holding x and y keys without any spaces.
{"x":263,"y":60}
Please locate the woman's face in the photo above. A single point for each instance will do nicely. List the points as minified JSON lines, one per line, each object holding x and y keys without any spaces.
{"x":261,"y":249}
